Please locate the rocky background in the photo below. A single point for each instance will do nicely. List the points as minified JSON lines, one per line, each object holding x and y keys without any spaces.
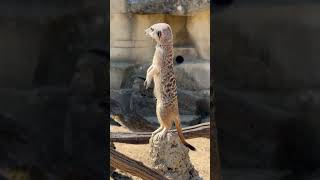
{"x":131,"y":54}
{"x":266,"y":72}
{"x":53,"y":89}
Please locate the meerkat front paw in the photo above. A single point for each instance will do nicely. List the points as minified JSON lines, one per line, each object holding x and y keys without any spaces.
{"x":147,"y":84}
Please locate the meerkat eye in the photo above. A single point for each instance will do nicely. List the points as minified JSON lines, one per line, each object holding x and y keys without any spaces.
{"x":159,"y":34}
{"x":151,"y":29}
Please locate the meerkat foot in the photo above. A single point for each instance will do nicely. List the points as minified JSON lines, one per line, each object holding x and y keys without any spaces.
{"x":156,"y":131}
{"x":163,"y":134}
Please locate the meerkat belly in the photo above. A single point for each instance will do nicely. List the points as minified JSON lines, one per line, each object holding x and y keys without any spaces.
{"x":157,"y":87}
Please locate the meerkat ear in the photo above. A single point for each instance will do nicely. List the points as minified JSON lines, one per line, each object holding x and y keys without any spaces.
{"x":159,"y":34}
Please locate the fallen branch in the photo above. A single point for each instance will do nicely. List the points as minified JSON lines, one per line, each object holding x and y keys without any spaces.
{"x":199,"y":130}
{"x":136,"y":168}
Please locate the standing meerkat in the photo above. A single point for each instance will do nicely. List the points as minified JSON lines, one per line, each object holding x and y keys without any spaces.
{"x":165,"y":88}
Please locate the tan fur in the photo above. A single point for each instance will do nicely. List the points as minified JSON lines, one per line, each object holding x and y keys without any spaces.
{"x":162,"y":73}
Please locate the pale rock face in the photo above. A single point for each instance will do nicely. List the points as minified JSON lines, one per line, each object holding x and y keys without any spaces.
{"x":175,"y":7}
{"x":170,"y":157}
{"x":190,"y":24}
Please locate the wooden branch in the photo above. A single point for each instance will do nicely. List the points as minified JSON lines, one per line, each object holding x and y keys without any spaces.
{"x":199,"y":130}
{"x":136,"y":168}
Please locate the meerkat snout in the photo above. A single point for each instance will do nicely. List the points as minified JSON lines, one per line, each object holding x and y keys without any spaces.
{"x":147,"y":31}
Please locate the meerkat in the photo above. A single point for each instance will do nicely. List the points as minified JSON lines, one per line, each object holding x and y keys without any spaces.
{"x":165,"y":89}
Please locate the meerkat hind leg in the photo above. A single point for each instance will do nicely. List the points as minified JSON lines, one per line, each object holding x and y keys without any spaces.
{"x":166,"y":127}
{"x":159,"y":120}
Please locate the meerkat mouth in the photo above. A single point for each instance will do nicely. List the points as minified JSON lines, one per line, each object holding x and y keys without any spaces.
{"x":146,"y":32}
{"x":148,"y":35}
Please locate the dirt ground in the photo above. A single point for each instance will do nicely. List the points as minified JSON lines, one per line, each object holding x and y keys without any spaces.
{"x":200,"y":158}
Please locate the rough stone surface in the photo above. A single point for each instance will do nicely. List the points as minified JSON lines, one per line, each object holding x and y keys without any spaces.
{"x":190,"y":75}
{"x":170,"y":157}
{"x":143,"y":102}
{"x":176,"y":7}
{"x":193,"y":75}
{"x":201,"y":39}
{"x":132,"y":73}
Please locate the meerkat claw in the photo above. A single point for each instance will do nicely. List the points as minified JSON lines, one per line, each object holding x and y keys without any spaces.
{"x":162,"y":135}
{"x":159,"y":137}
{"x":146,"y":84}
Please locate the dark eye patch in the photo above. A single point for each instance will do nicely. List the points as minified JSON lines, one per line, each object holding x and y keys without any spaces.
{"x":152,"y":29}
{"x":159,"y":34}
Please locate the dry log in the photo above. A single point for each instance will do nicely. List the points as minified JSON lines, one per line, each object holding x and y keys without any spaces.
{"x":136,"y":168}
{"x":199,"y":130}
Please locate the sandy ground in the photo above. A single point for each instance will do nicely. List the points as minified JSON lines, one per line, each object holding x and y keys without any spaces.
{"x":200,"y":158}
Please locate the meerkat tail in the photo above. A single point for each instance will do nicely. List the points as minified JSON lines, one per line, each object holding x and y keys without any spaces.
{"x":182,"y":139}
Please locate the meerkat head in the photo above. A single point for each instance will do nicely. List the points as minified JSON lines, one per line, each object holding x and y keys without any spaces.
{"x":160,"y":32}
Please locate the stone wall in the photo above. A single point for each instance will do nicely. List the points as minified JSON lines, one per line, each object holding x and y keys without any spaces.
{"x":129,"y":45}
{"x":198,"y":27}
{"x":128,"y":41}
